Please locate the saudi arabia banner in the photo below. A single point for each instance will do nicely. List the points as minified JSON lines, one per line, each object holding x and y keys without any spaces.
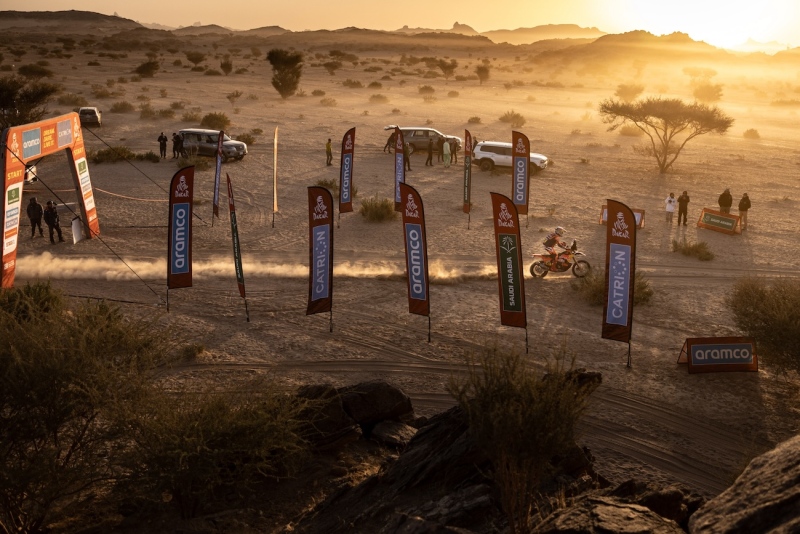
{"x":320,"y":250}
{"x":237,"y":252}
{"x":346,"y":172}
{"x":620,"y":269}
{"x":218,"y":175}
{"x":509,"y":262}
{"x":399,"y":167}
{"x":416,"y":251}
{"x":467,"y":170}
{"x":521,"y":150}
{"x":181,"y":196}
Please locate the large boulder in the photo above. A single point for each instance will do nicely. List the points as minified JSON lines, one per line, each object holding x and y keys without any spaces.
{"x":604,"y":514}
{"x":765,"y":497}
{"x":371,"y":402}
{"x":327,"y":424}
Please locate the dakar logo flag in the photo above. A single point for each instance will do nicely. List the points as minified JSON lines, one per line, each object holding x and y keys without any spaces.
{"x":620,"y":270}
{"x":521,"y":160}
{"x":320,"y":250}
{"x":237,"y":251}
{"x":181,"y":195}
{"x":346,"y":172}
{"x":416,"y":251}
{"x":467,"y":170}
{"x":217,"y":173}
{"x":399,"y":167}
{"x":509,"y":262}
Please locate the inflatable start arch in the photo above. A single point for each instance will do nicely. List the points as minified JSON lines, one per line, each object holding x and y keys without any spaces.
{"x":21,"y":144}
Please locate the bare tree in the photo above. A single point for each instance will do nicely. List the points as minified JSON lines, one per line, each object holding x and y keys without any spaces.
{"x":670,"y":123}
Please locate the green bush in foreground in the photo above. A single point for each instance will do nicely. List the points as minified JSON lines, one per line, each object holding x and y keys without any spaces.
{"x":768,"y":312}
{"x":592,"y":287}
{"x":699,"y":250}
{"x":377,"y":209}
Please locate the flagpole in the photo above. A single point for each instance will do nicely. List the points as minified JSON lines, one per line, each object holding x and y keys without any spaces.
{"x":246,"y":311}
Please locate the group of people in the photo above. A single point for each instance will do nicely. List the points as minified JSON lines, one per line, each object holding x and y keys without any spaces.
{"x":50,"y":215}
{"x":725,"y":202}
{"x":177,"y":145}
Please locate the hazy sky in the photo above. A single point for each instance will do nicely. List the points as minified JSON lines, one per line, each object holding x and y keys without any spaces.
{"x":719,"y":22}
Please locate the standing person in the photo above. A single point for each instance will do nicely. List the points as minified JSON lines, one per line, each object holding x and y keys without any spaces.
{"x":725,"y":201}
{"x":175,"y":142}
{"x":429,"y":161}
{"x":454,"y":151}
{"x":670,"y":203}
{"x":683,"y":207}
{"x":744,"y":205}
{"x":51,"y":218}
{"x":446,"y":153}
{"x":35,"y":212}
{"x":390,"y":143}
{"x":406,"y":158}
{"x":162,"y":144}
{"x":439,"y":145}
{"x":329,"y":153}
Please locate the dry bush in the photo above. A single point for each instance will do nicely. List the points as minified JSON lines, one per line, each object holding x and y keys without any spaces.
{"x":246,"y":138}
{"x":699,"y":250}
{"x":592,"y":287}
{"x":328,"y":102}
{"x":377,"y":209}
{"x":767,"y":311}
{"x":191,"y":116}
{"x":379,"y":99}
{"x":474,"y":120}
{"x":215,"y":121}
{"x":513,"y":118}
{"x":122,"y":107}
{"x":630,"y":131}
{"x":426,"y":90}
{"x":353,"y":84}
{"x":375,"y":85}
{"x":452,"y":94}
{"x":71,"y":99}
{"x":317,"y":92}
{"x":751,"y":133}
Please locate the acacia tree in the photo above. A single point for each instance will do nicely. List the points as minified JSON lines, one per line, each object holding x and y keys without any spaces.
{"x":670,"y":123}
{"x":22,"y":101}
{"x":195,"y":57}
{"x":483,"y":73}
{"x":447,"y":67}
{"x":287,"y":68}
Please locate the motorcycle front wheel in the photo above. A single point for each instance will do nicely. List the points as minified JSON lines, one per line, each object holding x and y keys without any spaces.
{"x":539,"y":269}
{"x":581,"y":268}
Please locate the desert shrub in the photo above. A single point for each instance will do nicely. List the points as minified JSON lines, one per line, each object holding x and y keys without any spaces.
{"x":148,"y":69}
{"x":426,"y":90}
{"x":215,"y":121}
{"x":166,"y":113}
{"x":34,"y":71}
{"x":198,"y":68}
{"x":191,"y":116}
{"x":474,"y":120}
{"x":122,"y":79}
{"x":317,"y":92}
{"x":379,"y":99}
{"x":328,"y":102}
{"x":630,"y":130}
{"x":374,"y":68}
{"x":332,"y":66}
{"x":177,"y":63}
{"x":111,"y":154}
{"x":386,"y":78}
{"x":751,"y":133}
{"x":377,"y":209}
{"x":122,"y":107}
{"x":177,"y":105}
{"x":71,"y":99}
{"x":199,"y":162}
{"x":246,"y":138}
{"x":429,"y":99}
{"x":98,"y":91}
{"x":256,"y":131}
{"x":212,"y":72}
{"x":146,"y":112}
{"x":375,"y":85}
{"x":521,"y":419}
{"x":226,"y":66}
{"x":767,"y":311}
{"x":513,"y":118}
{"x":241,"y":70}
{"x":93,"y":64}
{"x":452,"y":94}
{"x":395,"y":111}
{"x":629,"y":91}
{"x":592,"y":287}
{"x":352,"y":84}
{"x":699,"y":250}
{"x":163,"y":93}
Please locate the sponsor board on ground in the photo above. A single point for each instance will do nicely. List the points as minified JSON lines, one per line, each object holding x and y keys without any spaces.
{"x":719,"y":222}
{"x":719,"y":354}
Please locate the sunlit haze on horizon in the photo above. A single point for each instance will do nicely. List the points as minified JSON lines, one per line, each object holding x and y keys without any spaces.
{"x":724,"y":23}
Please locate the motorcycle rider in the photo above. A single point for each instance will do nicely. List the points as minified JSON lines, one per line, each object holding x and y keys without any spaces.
{"x":552,"y":240}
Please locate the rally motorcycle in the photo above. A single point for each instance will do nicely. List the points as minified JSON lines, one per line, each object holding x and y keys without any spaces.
{"x":566,"y":260}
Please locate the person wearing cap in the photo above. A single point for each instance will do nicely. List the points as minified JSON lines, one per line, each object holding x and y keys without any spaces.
{"x":51,"y":218}
{"x":744,"y":205}
{"x":35,"y":212}
{"x":725,"y":201}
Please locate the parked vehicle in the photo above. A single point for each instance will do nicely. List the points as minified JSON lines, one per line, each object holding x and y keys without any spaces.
{"x":566,"y":260}
{"x":490,"y":154}
{"x":90,"y":116}
{"x":204,"y":143}
{"x":417,"y":137}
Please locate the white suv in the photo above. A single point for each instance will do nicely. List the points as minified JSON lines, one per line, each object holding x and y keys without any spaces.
{"x":490,"y":154}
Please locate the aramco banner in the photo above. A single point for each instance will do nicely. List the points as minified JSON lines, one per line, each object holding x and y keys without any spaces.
{"x":509,"y":262}
{"x":719,"y":354}
{"x":521,"y":152}
{"x":416,"y":251}
{"x":467,"y":171}
{"x":346,"y":172}
{"x":320,"y":250}
{"x":620,"y":270}
{"x":181,"y":197}
{"x":237,"y":252}
{"x":30,"y":142}
{"x":218,"y":174}
{"x":399,"y":167}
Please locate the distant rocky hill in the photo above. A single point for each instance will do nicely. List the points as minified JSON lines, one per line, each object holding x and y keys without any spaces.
{"x":520,"y":35}
{"x":203,"y":30}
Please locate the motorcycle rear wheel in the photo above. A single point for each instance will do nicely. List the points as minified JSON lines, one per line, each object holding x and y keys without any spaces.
{"x":581,"y":268}
{"x":539,"y":269}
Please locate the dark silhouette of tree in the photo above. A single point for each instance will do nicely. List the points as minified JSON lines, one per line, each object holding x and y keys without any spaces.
{"x":483,"y":73}
{"x":226,"y":66}
{"x":708,"y":93}
{"x":670,"y":123}
{"x":629,"y":91}
{"x":332,"y":66}
{"x":34,"y":71}
{"x":147,"y":69}
{"x":447,"y":67}
{"x":23,"y":101}
{"x":195,"y":57}
{"x":287,"y":68}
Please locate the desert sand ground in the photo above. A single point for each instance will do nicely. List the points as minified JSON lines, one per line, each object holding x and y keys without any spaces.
{"x":653,"y":421}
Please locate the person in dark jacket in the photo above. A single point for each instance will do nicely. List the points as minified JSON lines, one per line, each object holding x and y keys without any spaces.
{"x":744,"y":205}
{"x":725,"y":201}
{"x":162,"y":144}
{"x":35,"y":212}
{"x":390,"y":143}
{"x":51,"y":218}
{"x":176,"y":141}
{"x":406,"y":158}
{"x":439,"y":145}
{"x":683,"y":207}
{"x":453,"y":151}
{"x":429,"y":161}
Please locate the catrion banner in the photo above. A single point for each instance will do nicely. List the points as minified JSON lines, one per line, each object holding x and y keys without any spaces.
{"x":416,"y":251}
{"x":181,"y":196}
{"x":509,"y":262}
{"x":275,"y":175}
{"x":320,"y":250}
{"x":467,"y":170}
{"x":237,"y":252}
{"x":218,"y":173}
{"x":521,"y":151}
{"x":346,"y":172}
{"x":620,"y":270}
{"x":399,"y":167}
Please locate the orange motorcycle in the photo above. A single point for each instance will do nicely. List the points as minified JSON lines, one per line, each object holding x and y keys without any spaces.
{"x":566,"y":260}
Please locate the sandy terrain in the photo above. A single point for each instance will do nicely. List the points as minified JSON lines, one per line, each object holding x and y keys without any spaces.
{"x":653,"y":421}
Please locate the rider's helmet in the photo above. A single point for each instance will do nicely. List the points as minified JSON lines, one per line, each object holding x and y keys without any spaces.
{"x":560,"y":231}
